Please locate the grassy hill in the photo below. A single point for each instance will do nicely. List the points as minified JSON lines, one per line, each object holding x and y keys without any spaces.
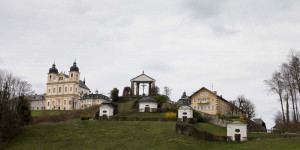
{"x":128,"y":135}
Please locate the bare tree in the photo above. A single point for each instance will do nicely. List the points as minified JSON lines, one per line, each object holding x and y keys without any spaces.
{"x":167,"y":91}
{"x":246,"y":106}
{"x":276,"y":86}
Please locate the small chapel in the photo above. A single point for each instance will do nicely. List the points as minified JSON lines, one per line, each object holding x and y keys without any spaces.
{"x":142,"y":80}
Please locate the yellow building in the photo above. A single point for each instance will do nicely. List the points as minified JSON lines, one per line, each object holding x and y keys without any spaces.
{"x":209,"y":102}
{"x":88,"y":100}
{"x":63,"y":91}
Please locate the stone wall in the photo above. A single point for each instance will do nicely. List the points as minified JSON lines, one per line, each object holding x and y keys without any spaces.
{"x":213,"y":119}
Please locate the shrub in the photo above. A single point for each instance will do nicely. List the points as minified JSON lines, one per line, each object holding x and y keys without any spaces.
{"x":85,"y":117}
{"x":170,"y":115}
{"x":193,"y":120}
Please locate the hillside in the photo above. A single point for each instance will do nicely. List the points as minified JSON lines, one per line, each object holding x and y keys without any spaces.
{"x":127,"y":135}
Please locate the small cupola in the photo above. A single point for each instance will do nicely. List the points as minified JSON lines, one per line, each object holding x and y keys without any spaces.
{"x":53,"y":69}
{"x":74,"y":67}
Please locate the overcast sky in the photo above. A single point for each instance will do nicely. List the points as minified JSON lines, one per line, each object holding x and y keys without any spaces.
{"x":184,"y":45}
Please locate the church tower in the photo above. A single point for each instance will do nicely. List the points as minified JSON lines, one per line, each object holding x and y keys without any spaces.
{"x":64,"y":90}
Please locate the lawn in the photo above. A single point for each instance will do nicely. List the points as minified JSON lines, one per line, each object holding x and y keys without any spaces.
{"x":127,"y":135}
{"x":37,"y":113}
{"x":125,"y":106}
{"x":216,"y":130}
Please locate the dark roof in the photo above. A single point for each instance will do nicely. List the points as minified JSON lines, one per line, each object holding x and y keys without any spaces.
{"x":219,"y":97}
{"x":36,"y":97}
{"x":258,"y":121}
{"x":95,"y":96}
{"x":106,"y":104}
{"x":81,"y":84}
{"x":148,"y":99}
{"x":184,"y":100}
{"x":74,"y":67}
{"x":53,"y":69}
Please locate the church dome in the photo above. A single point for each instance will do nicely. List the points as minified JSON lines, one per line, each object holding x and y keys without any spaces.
{"x":147,"y":100}
{"x":74,"y":67}
{"x":53,"y":69}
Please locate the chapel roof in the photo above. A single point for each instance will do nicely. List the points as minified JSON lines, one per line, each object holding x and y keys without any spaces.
{"x":147,"y":99}
{"x":143,"y":78}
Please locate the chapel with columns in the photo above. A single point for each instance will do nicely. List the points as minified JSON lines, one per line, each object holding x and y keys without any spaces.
{"x":141,"y":80}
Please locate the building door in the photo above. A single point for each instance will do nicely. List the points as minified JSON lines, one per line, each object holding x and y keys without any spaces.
{"x":147,"y":109}
{"x":237,"y":137}
{"x":184,"y":118}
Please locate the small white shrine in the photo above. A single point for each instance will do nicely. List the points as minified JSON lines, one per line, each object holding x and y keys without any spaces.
{"x":106,"y":109}
{"x":237,"y":131}
{"x":147,"y":104}
{"x":185,"y":112}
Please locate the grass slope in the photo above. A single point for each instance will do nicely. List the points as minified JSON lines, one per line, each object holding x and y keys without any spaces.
{"x":127,"y":135}
{"x":216,"y":130}
{"x":38,"y":113}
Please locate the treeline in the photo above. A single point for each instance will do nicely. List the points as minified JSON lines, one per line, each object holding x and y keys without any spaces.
{"x":14,"y":108}
{"x":285,"y":83}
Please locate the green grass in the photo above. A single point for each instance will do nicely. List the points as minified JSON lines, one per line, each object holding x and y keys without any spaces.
{"x":216,"y":130}
{"x":128,"y":135}
{"x":38,"y":113}
{"x":125,"y":106}
{"x":147,"y":115}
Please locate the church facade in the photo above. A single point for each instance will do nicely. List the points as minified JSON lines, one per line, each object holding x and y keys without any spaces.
{"x":64,"y":90}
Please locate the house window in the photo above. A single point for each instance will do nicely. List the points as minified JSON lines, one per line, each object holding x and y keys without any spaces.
{"x":201,"y":93}
{"x":48,"y":103}
{"x":66,"y":89}
{"x":61,"y":78}
{"x":212,"y":107}
{"x":204,"y":100}
{"x":206,"y":93}
{"x":198,"y":107}
{"x":208,"y":107}
{"x":202,"y":107}
{"x":65,"y":102}
{"x":53,"y":90}
{"x":49,"y":90}
{"x":213,"y":99}
{"x":59,"y":89}
{"x":69,"y":102}
{"x":194,"y":100}
{"x":76,"y":77}
{"x":72,"y":75}
{"x":76,"y":90}
{"x":194,"y":107}
{"x":70,"y":89}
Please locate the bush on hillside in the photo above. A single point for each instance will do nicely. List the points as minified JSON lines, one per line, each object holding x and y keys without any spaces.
{"x":170,"y":115}
{"x":85,"y":117}
{"x":161,"y":99}
{"x":114,"y":95}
